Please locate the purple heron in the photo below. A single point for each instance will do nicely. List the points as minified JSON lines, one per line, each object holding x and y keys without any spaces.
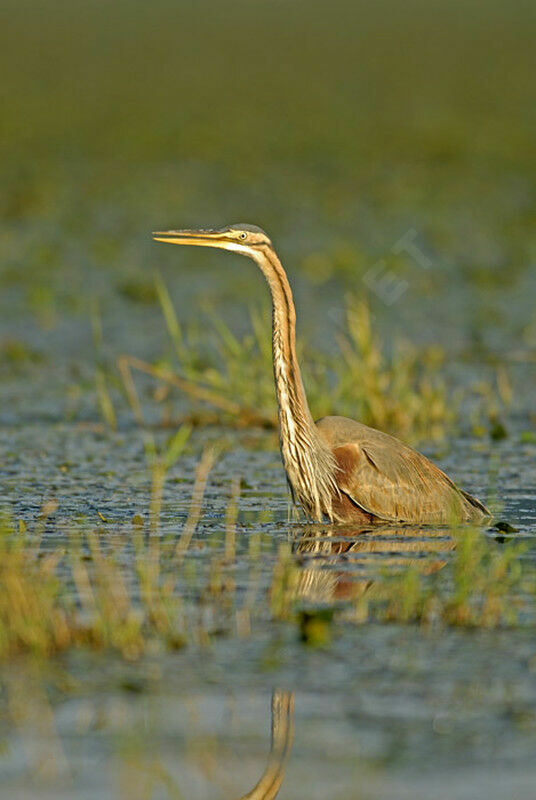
{"x":336,"y":467}
{"x":282,"y":730}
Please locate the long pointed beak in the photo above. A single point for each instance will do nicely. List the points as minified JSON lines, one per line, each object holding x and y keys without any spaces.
{"x":203,"y":238}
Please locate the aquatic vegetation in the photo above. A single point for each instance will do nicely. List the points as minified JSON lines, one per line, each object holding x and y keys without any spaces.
{"x":32,"y":614}
{"x":138,"y":291}
{"x":402,"y":393}
{"x":478,"y":584}
{"x":82,"y":596}
{"x":159,"y":463}
{"x":15,"y":353}
{"x":482,"y":588}
{"x":37,"y":613}
{"x":90,"y":595}
{"x":231,"y":382}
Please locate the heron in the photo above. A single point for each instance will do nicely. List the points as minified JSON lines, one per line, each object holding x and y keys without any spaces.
{"x":337,"y":469}
{"x":282,"y":736}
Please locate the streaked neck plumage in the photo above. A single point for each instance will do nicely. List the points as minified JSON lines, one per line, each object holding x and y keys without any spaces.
{"x":308,"y":462}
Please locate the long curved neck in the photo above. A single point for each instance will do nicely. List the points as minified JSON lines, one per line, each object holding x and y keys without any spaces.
{"x":291,"y":400}
{"x":308,"y":462}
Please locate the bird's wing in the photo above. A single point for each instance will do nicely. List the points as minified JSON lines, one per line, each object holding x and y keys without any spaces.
{"x":399,"y":484}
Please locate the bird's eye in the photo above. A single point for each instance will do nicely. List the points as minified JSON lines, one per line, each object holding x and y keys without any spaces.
{"x":243,"y":235}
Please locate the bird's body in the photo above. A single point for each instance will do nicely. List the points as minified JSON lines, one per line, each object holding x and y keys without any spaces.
{"x":388,"y":481}
{"x":337,"y":468}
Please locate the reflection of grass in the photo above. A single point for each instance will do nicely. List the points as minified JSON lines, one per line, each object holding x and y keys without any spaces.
{"x":478,"y":586}
{"x":100,"y":604}
{"x":480,"y":589}
{"x":32,"y":614}
{"x":401,"y":393}
{"x":98,"y":594}
{"x":131,"y":607}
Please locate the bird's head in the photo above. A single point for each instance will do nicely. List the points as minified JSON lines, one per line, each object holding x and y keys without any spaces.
{"x":241,"y":238}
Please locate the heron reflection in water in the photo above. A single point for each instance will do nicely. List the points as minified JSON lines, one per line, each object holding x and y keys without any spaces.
{"x":337,"y":468}
{"x":282,"y":735}
{"x":336,"y":568}
{"x":317,"y":584}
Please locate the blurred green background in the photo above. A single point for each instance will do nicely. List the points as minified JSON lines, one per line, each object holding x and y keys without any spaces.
{"x":246,"y":85}
{"x":336,"y":126}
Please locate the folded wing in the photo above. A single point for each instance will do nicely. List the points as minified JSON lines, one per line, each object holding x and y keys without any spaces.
{"x":390,"y":480}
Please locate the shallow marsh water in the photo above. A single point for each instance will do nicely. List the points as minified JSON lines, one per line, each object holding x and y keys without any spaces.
{"x":379,"y":710}
{"x":341,"y":139}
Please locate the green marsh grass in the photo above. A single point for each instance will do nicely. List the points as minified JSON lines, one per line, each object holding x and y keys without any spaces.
{"x":102,"y":388}
{"x":90,"y":596}
{"x":231,"y":383}
{"x":159,"y":464}
{"x":98,"y":603}
{"x":478,"y":584}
